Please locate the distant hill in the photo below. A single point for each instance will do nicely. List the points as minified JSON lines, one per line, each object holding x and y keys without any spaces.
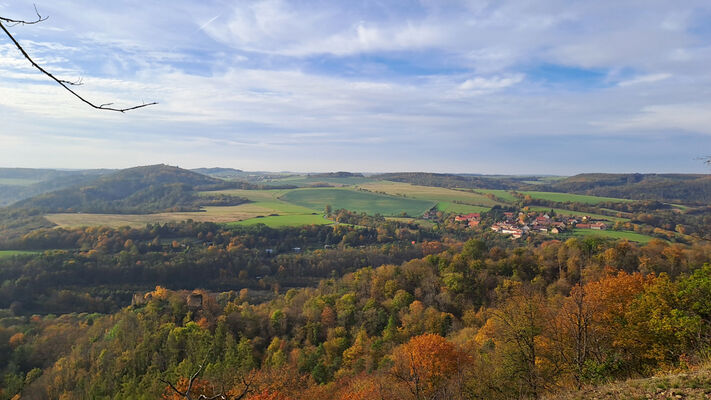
{"x":135,"y":190}
{"x":21,"y":183}
{"x":339,"y":174}
{"x":224,"y":173}
{"x":449,"y":180}
{"x":683,"y":188}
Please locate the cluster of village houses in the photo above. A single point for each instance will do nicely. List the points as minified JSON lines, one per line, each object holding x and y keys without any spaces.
{"x":518,"y":225}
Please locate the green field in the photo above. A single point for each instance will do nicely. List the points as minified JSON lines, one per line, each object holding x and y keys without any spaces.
{"x":561,"y":211}
{"x":252,"y":195}
{"x":631,"y":236}
{"x":12,"y":253}
{"x":218,"y":214}
{"x":371,"y":203}
{"x":446,"y":206}
{"x":284,"y":220}
{"x":17,"y":181}
{"x":436,"y":194}
{"x":567,"y":197}
{"x":311,"y":180}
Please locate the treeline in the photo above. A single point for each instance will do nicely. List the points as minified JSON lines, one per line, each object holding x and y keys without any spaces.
{"x":685,"y":188}
{"x":98,"y":269}
{"x":476,"y":322}
{"x":451,"y":180}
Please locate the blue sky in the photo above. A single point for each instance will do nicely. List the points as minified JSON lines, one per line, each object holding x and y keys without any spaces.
{"x":549,"y":87}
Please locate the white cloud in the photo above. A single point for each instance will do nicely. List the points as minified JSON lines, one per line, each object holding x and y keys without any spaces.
{"x":483,"y":85}
{"x":692,"y":117}
{"x":651,"y":78}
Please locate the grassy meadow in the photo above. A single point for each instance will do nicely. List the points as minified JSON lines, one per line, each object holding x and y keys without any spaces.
{"x":305,"y":181}
{"x":218,"y":214}
{"x":567,"y":197}
{"x":447,"y":206}
{"x":436,"y":194}
{"x":17,"y":181}
{"x":631,"y":236}
{"x":12,"y":253}
{"x":371,"y":203}
{"x":285,"y":220}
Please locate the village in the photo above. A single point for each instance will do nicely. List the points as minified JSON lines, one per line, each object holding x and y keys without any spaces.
{"x":533,"y":222}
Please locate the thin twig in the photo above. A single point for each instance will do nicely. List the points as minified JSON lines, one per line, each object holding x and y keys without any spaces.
{"x":22,"y":22}
{"x":174,"y":388}
{"x":65,"y":84}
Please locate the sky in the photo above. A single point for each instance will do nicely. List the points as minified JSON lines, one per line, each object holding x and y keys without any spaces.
{"x":495,"y":87}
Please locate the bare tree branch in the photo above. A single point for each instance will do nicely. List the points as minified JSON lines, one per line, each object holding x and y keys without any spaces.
{"x":16,"y":22}
{"x":184,"y":394}
{"x":220,"y":396}
{"x":65,"y":84}
{"x":247,"y":384}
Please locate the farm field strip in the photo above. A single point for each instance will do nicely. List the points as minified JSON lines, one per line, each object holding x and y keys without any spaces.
{"x":252,"y":195}
{"x":285,"y":220}
{"x":18,"y":181}
{"x":12,"y":253}
{"x":631,"y":236}
{"x":437,"y":194}
{"x":358,"y":201}
{"x":568,"y":197}
{"x":218,"y":214}
{"x":446,"y":206}
{"x":306,"y":181}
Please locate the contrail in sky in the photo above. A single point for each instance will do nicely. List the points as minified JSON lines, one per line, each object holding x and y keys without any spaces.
{"x":203,"y":26}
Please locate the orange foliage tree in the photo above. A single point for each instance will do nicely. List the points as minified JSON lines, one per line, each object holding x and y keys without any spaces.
{"x":268,"y":394}
{"x":426,"y":364}
{"x":591,"y":329}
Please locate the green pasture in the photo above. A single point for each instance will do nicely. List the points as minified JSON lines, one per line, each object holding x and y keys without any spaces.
{"x":370,"y":203}
{"x":457,"y":208}
{"x":631,"y":236}
{"x":17,"y":181}
{"x":430,"y":193}
{"x":567,"y":197}
{"x":252,"y":195}
{"x":12,"y":253}
{"x":282,"y":207}
{"x":284,"y":220}
{"x":303,"y":181}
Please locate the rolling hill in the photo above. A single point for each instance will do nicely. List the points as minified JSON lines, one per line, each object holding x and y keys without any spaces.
{"x":134,"y":190}
{"x":22,"y":183}
{"x":684,"y":188}
{"x":450,"y":180}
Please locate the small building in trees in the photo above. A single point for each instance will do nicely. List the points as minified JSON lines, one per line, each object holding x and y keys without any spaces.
{"x":194,"y":301}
